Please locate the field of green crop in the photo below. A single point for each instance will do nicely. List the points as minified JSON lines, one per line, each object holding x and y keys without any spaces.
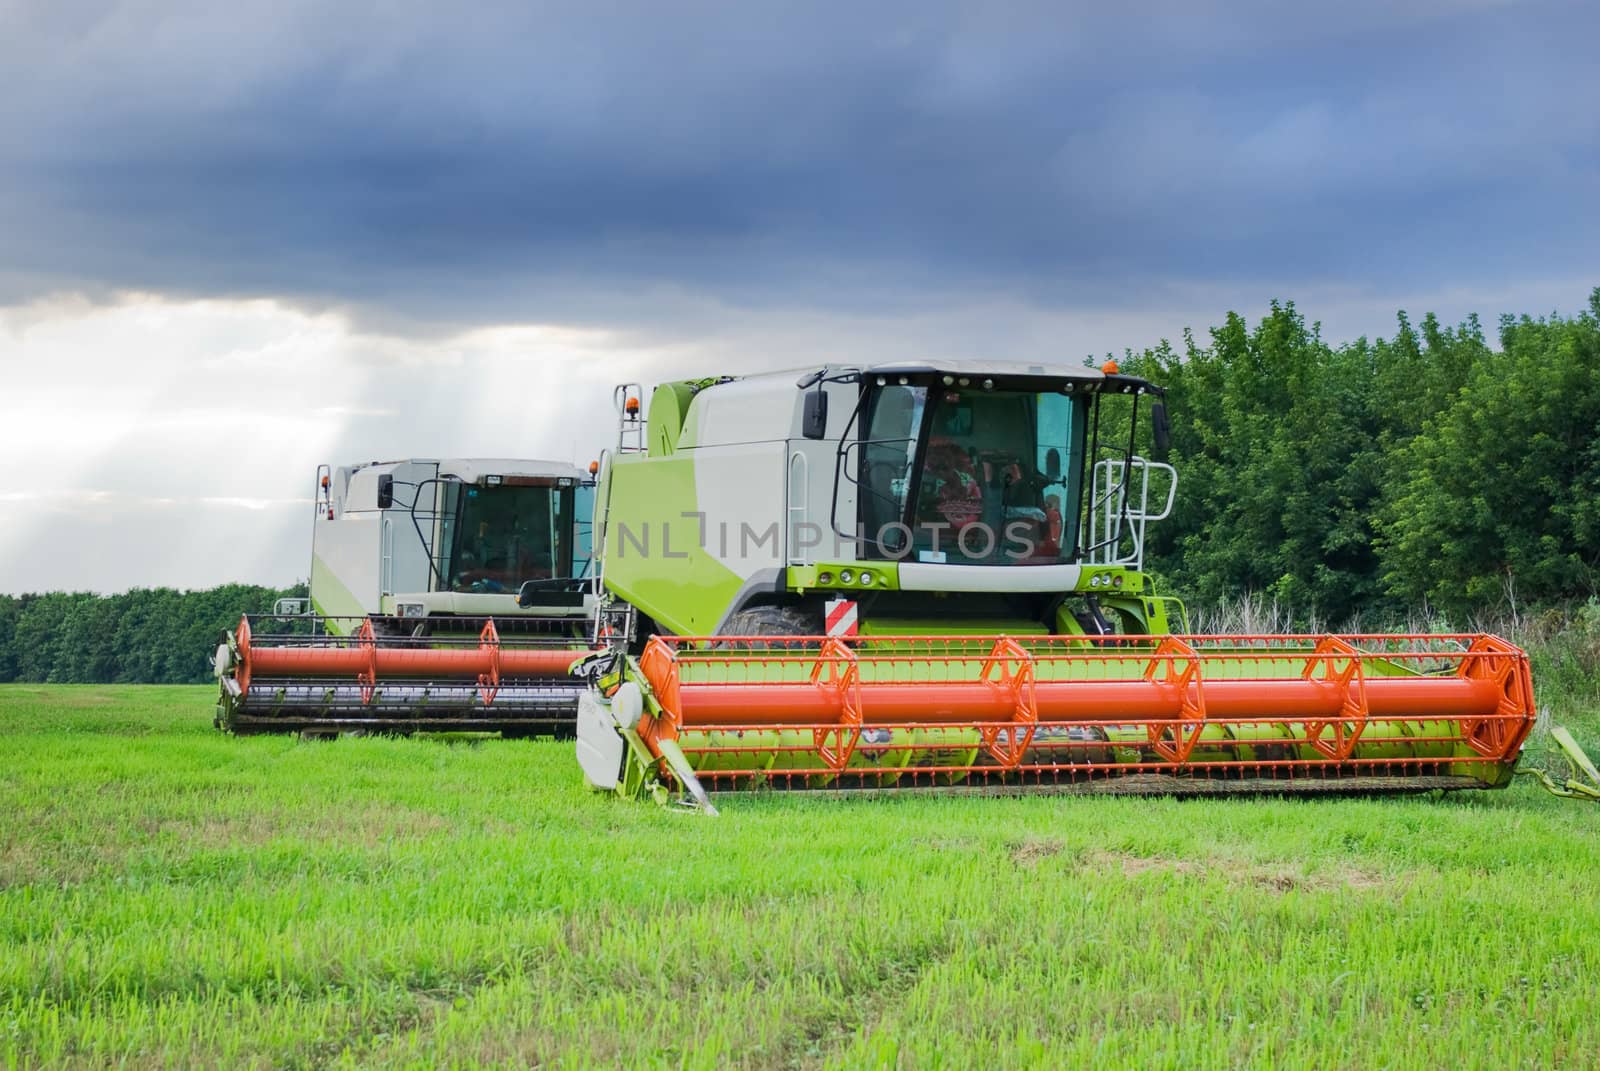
{"x":173,"y":897}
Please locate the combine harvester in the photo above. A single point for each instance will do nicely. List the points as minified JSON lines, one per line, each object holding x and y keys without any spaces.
{"x":930,"y":577}
{"x":447,"y":595}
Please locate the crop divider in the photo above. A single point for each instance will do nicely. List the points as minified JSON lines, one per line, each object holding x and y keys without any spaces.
{"x":659,"y":665}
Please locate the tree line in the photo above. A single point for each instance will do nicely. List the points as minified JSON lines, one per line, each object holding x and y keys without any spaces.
{"x":147,"y":635}
{"x":1433,"y":469}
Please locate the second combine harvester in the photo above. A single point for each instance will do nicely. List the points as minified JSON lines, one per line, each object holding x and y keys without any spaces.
{"x":930,"y":576}
{"x":446,"y":595}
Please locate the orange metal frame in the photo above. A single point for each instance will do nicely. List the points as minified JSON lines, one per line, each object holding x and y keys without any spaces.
{"x":1043,"y":706}
{"x":366,"y":661}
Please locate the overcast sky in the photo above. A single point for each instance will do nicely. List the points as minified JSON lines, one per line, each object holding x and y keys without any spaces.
{"x":239,"y":239}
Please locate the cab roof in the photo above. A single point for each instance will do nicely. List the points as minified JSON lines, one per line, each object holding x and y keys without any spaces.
{"x":472,"y":469}
{"x":1091,"y":379}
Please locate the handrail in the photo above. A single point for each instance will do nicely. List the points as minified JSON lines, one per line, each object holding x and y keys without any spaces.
{"x":1110,"y":507}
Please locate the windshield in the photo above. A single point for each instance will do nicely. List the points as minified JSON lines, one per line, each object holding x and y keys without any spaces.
{"x":966,"y":475}
{"x":509,"y":534}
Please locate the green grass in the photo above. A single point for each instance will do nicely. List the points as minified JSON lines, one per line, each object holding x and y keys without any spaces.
{"x":173,"y":897}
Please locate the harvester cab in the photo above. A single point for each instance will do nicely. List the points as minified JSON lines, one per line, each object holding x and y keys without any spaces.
{"x":446,"y":595}
{"x":930,"y":576}
{"x":893,"y":499}
{"x":430,"y":543}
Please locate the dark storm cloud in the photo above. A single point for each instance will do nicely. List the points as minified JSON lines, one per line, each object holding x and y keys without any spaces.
{"x":507,"y":160}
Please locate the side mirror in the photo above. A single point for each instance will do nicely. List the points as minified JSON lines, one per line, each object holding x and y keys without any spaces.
{"x":1161,"y":429}
{"x":1052,"y":465}
{"x":385,"y":492}
{"x":814,"y":417}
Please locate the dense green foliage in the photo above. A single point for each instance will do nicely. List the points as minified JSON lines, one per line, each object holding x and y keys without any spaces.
{"x":1380,"y":475}
{"x":174,"y":897}
{"x":148,"y":635}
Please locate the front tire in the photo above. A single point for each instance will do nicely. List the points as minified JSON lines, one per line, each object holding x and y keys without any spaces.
{"x":773,"y":621}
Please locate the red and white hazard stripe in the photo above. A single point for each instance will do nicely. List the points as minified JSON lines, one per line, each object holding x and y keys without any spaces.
{"x":841,"y":617}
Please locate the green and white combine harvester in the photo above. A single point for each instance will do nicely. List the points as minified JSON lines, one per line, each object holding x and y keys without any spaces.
{"x":445,"y":595}
{"x":918,"y":577}
{"x":929,"y":577}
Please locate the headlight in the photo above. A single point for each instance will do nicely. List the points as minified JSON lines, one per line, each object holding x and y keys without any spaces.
{"x":866,"y":578}
{"x":846,"y":576}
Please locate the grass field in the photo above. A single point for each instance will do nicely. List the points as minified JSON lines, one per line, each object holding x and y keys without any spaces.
{"x":173,"y":897}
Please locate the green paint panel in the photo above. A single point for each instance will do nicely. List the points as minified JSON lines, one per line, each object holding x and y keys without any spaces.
{"x":330,"y":598}
{"x":653,"y":556}
{"x":1059,"y":662}
{"x":885,"y":577}
{"x":898,"y":626}
{"x":668,"y":404}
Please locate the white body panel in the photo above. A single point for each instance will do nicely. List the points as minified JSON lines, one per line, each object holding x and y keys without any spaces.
{"x":362,"y":552}
{"x":922,"y":576}
{"x":476,"y":604}
{"x":740,"y":491}
{"x":752,"y":410}
{"x":347,"y":551}
{"x":367,"y":559}
{"x":754,"y":468}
